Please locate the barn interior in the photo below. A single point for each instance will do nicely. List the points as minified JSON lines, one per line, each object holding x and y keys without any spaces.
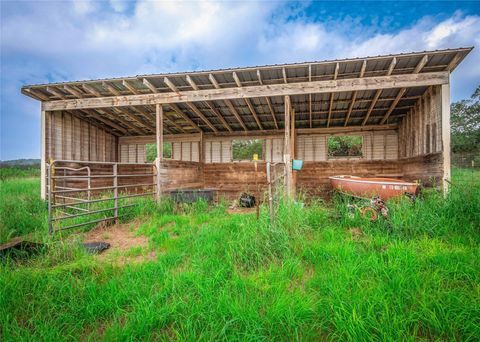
{"x":395,"y":106}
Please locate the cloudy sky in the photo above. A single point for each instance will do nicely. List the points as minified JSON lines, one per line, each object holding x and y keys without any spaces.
{"x":53,"y":41}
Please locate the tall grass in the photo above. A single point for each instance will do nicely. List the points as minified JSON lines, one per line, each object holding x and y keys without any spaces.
{"x":317,"y":273}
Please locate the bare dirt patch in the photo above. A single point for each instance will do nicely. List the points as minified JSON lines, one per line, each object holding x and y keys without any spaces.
{"x":121,"y":238}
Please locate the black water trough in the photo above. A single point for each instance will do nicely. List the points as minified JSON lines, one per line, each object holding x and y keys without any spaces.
{"x":192,"y":195}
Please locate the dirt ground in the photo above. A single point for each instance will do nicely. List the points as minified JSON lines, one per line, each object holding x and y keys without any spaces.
{"x":121,"y":238}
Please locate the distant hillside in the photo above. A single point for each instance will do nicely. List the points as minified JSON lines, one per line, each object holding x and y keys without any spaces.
{"x":20,"y":163}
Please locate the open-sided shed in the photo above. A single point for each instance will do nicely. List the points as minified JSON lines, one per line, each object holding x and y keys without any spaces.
{"x":399,"y":105}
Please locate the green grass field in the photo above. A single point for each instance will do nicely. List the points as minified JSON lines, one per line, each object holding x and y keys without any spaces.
{"x":318,"y":273}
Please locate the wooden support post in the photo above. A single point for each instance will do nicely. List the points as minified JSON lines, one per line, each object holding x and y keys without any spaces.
{"x":287,"y":152}
{"x":293,"y":148}
{"x":446,"y":136}
{"x":43,"y":157}
{"x":270,"y":197}
{"x":158,"y":161}
{"x":115,"y":192}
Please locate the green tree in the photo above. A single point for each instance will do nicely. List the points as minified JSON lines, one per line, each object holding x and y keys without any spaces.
{"x":152,"y":151}
{"x":465,"y":124}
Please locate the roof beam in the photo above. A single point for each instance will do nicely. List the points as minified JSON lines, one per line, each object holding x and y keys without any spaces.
{"x":111,"y":88}
{"x":151,"y":117}
{"x":89,"y":89}
{"x":132,"y":89}
{"x":149,"y":85}
{"x":116,"y":116}
{"x":379,"y":92}
{"x":454,"y":62}
{"x":362,"y":70}
{"x":35,"y":94}
{"x":177,"y":110}
{"x":350,"y":108}
{"x":354,"y":95}
{"x":73,"y":91}
{"x":210,"y":105}
{"x":330,"y":106}
{"x":310,"y":96}
{"x":342,"y":85}
{"x":136,"y":119}
{"x":228,"y":102}
{"x":284,"y":73}
{"x":219,"y":115}
{"x":106,"y":121}
{"x":56,"y":92}
{"x":393,"y":105}
{"x":191,"y":105}
{"x":269,"y":103}
{"x":249,"y":104}
{"x":402,"y":91}
{"x":200,"y":114}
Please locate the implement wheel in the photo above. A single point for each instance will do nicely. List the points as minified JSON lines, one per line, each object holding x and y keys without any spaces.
{"x":369,"y":213}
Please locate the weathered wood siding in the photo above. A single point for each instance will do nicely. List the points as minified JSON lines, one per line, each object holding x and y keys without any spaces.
{"x":313,"y":178}
{"x":420,"y":132}
{"x":181,"y":175}
{"x":231,"y":179}
{"x":69,"y":138}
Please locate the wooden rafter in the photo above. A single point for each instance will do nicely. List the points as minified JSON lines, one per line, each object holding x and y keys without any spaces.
{"x":74,"y":91}
{"x":354,"y":95}
{"x":249,"y":103}
{"x":95,"y":123}
{"x":228,"y":102}
{"x":402,"y":91}
{"x":269,"y":103}
{"x":92,"y":113}
{"x":201,"y":116}
{"x":179,"y":112}
{"x":284,"y":74}
{"x":192,"y":106}
{"x":330,"y":107}
{"x":131,"y":88}
{"x":298,"y":88}
{"x":379,"y":92}
{"x":115,"y":113}
{"x":89,"y":89}
{"x":210,"y":104}
{"x":111,"y":88}
{"x":55,"y":91}
{"x":350,"y":107}
{"x":149,"y":85}
{"x":454,"y":62}
{"x":137,"y":120}
{"x":310,"y":96}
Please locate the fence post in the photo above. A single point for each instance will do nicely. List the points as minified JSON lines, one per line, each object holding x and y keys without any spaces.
{"x":270,"y":199}
{"x":50,"y":224}
{"x":115,"y":192}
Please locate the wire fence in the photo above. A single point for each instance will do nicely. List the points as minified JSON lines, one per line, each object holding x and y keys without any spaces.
{"x":465,"y":167}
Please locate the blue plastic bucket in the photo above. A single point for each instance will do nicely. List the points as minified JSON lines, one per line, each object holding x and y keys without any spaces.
{"x":297,"y":164}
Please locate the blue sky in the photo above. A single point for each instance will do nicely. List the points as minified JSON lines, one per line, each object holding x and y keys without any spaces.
{"x":52,"y":41}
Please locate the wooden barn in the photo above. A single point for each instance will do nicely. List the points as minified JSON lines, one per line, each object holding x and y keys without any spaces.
{"x":398,"y":106}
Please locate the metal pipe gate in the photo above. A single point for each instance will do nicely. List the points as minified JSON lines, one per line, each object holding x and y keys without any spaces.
{"x":67,"y":202}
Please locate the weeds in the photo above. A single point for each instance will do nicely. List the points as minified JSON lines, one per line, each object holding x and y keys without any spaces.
{"x":317,"y":273}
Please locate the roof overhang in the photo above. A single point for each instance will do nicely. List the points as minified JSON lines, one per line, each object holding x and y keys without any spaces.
{"x":349,"y":92}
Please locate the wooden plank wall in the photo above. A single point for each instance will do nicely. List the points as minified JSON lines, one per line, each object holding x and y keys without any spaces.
{"x":313,"y":178}
{"x":230,"y":180}
{"x":420,"y":137}
{"x":181,"y":175}
{"x":70,"y":138}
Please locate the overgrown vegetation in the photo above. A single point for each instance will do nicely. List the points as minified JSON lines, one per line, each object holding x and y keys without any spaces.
{"x":345,"y":146}
{"x":465,"y":121}
{"x":321,"y":272}
{"x":151,"y":151}
{"x":245,"y":149}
